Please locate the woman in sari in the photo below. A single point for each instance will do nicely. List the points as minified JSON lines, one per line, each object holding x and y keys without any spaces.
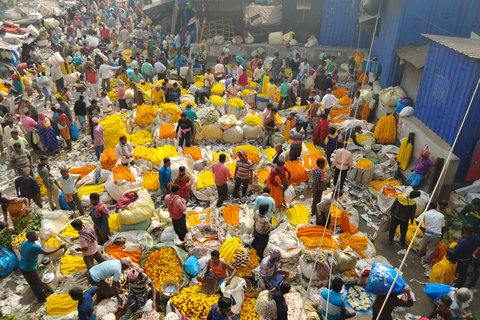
{"x":55,"y":121}
{"x":265,"y":79}
{"x":46,"y":133}
{"x":278,"y":182}
{"x":64,"y":126}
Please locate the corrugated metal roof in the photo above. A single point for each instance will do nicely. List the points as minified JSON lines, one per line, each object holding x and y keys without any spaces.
{"x":467,"y":46}
{"x":416,"y":55}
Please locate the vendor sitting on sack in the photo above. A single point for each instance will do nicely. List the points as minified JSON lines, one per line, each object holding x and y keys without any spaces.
{"x":141,"y":289}
{"x":217,"y":269}
{"x":421,"y":168}
{"x":270,"y":268}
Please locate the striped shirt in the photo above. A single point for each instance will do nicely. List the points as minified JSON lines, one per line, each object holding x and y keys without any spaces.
{"x":336,"y":304}
{"x":138,"y":288}
{"x":243,"y":169}
{"x":294,"y":135}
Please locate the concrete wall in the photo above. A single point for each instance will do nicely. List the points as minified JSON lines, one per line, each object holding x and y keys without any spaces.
{"x":311,"y":54}
{"x":423,"y":136}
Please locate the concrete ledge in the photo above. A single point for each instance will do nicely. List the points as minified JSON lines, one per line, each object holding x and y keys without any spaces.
{"x":423,"y":136}
{"x":341,"y":53}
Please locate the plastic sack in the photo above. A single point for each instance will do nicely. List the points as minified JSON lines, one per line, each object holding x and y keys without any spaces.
{"x":249,"y":39}
{"x":391,"y":95}
{"x":210,"y":131}
{"x":236,"y":292}
{"x":404,"y":102}
{"x":8,"y":262}
{"x":275,"y":38}
{"x":346,"y":259}
{"x":252,"y":132}
{"x":227,"y":121}
{"x":233,"y":135}
{"x":435,"y":290}
{"x":191,"y":266}
{"x":407,"y":112}
{"x":289,"y":194}
{"x":312,"y":42}
{"x":138,"y":211}
{"x":381,"y":279}
{"x":53,"y":223}
{"x":169,"y":234}
{"x":144,"y":225}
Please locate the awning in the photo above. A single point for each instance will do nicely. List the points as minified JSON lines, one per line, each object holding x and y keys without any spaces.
{"x":416,"y":55}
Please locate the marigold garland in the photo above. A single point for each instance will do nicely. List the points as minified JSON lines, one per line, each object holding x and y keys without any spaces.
{"x":192,"y":303}
{"x":163,"y":265}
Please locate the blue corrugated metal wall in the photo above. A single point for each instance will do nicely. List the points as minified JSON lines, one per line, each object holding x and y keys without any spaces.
{"x":447,"y":86}
{"x":339,"y":25}
{"x":403,"y":22}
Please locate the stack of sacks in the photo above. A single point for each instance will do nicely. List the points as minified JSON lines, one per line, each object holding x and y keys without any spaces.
{"x":253,"y":127}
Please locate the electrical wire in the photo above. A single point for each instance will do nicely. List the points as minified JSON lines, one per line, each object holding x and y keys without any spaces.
{"x":430,"y":200}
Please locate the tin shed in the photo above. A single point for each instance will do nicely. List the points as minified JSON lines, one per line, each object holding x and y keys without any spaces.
{"x":450,"y":76}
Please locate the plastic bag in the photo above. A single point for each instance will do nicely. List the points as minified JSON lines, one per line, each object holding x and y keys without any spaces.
{"x":381,"y":279}
{"x":236,"y":292}
{"x":169,"y":234}
{"x":8,"y":262}
{"x":289,"y":194}
{"x":192,"y":267}
{"x":435,"y":290}
{"x":249,"y":39}
{"x":407,"y":112}
{"x":403,"y":102}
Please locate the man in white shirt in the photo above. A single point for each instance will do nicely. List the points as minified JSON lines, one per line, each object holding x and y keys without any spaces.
{"x":257,"y":73}
{"x":341,"y":163}
{"x":432,"y":232}
{"x":239,"y":69}
{"x":106,"y":73}
{"x":219,"y":71}
{"x":328,"y":101}
{"x":160,"y":70}
{"x":57,"y":76}
{"x":183,"y":74}
{"x":124,"y":36}
{"x":124,"y":151}
{"x":304,"y":65}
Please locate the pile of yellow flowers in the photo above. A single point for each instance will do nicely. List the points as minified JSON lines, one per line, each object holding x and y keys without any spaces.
{"x":236,"y":103}
{"x":43,"y":190}
{"x":246,"y":92}
{"x":248,"y":309}
{"x":217,"y":100}
{"x":52,"y":242}
{"x":245,"y":271}
{"x":364,"y":163}
{"x":253,"y":121}
{"x":205,"y":179}
{"x":215,"y":156}
{"x":69,"y":264}
{"x":298,"y":214}
{"x":252,"y":84}
{"x":404,"y":153}
{"x":114,"y":128}
{"x":184,"y":92}
{"x":198,"y":84}
{"x":172,"y":109}
{"x":153,"y":155}
{"x":141,"y":137}
{"x":60,"y":304}
{"x":18,"y":240}
{"x":386,"y":130}
{"x":163,"y":265}
{"x":253,"y":258}
{"x":339,"y":93}
{"x":199,"y":77}
{"x":351,"y":273}
{"x":184,"y":105}
{"x":248,"y":149}
{"x":270,"y":153}
{"x":150,"y":181}
{"x":228,"y":248}
{"x":345,"y":101}
{"x":315,"y":242}
{"x":112,"y":95}
{"x":357,"y":243}
{"x":263,"y":95}
{"x":377,"y":185}
{"x":70,"y":232}
{"x":145,"y":114}
{"x":192,"y":303}
{"x":263,"y":174}
{"x":312,"y":149}
{"x":217,"y":89}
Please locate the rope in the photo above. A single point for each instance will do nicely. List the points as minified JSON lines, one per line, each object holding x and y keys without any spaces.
{"x":373,"y":36}
{"x":430,"y":200}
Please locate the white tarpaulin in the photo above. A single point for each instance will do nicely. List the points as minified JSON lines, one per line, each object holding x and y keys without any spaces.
{"x":263,"y":16}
